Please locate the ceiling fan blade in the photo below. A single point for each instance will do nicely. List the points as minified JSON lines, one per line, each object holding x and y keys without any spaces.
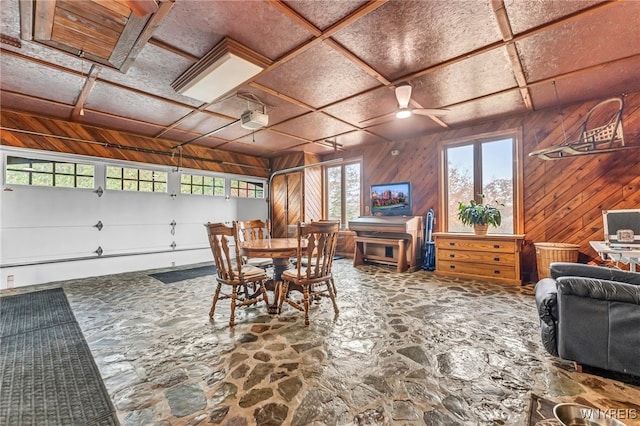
{"x":403,"y":94}
{"x":378,"y":119}
{"x":142,"y":7}
{"x":430,"y":111}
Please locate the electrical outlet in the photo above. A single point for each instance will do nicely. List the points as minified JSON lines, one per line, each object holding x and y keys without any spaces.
{"x":10,"y":281}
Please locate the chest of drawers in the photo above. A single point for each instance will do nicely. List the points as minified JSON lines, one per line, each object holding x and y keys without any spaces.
{"x":487,"y":257}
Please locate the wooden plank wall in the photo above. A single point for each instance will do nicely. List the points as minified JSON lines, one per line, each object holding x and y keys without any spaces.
{"x":312,"y":188}
{"x":563,"y":199}
{"x":295,"y":195}
{"x":282,"y":194}
{"x":122,"y":146}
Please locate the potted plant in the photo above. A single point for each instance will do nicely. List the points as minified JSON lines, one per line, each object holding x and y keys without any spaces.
{"x":480,"y":216}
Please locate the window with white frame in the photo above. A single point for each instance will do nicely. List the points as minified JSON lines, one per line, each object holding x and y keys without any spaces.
{"x":343,"y":194}
{"x":201,"y":185}
{"x":485,"y":170}
{"x":39,"y":172}
{"x":134,"y":179}
{"x":246,"y":189}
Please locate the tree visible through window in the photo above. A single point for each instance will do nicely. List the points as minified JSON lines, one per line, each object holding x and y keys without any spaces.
{"x":36,"y":172}
{"x":246,"y":189}
{"x":132,"y":179}
{"x":201,"y":185}
{"x":343,"y":192}
{"x":484,"y":171}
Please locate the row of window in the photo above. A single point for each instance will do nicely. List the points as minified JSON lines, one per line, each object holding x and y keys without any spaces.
{"x":483,"y":170}
{"x":38,"y":172}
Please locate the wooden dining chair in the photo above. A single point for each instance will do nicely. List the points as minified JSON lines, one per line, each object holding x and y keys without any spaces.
{"x":256,"y":229}
{"x":312,"y":275}
{"x":247,"y":282}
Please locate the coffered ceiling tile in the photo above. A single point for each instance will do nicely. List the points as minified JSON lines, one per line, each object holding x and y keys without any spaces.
{"x":509,"y":102}
{"x":66,"y":88}
{"x":314,"y":126}
{"x":109,"y":121}
{"x":53,"y":57}
{"x":323,"y":13}
{"x":582,"y":43}
{"x":152,"y":72}
{"x":249,"y":98}
{"x":243,"y":148}
{"x":204,"y":123}
{"x":359,"y":137}
{"x":178,"y":135}
{"x":412,"y":35}
{"x":182,"y":136}
{"x":478,"y":76}
{"x":17,"y":102}
{"x":10,"y":18}
{"x":524,"y":15}
{"x":314,"y":148}
{"x":234,"y":131}
{"x":270,"y":140}
{"x":197,"y":26}
{"x":113,"y":100}
{"x":363,"y":107}
{"x":616,"y":78}
{"x":399,"y":129}
{"x":328,"y":77}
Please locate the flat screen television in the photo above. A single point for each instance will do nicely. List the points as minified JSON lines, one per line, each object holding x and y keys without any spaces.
{"x":391,"y":199}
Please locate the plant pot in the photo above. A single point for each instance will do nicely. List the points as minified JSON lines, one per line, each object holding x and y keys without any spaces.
{"x":480,"y":229}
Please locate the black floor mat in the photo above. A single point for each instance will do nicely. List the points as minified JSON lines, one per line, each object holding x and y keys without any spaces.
{"x":184,"y":274}
{"x":47,"y":373}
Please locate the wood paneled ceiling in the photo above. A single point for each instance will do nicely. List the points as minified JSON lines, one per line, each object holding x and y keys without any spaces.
{"x":334,"y":65}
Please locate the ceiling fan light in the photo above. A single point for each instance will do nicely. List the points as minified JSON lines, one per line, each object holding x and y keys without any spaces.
{"x":403,"y":113}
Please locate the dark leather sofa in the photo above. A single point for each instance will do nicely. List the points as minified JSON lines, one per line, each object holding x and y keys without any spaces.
{"x":591,"y":315}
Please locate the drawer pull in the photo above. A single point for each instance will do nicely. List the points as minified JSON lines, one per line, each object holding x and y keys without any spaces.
{"x":497,"y":259}
{"x":452,"y":256}
{"x":496,"y":246}
{"x":496,"y":272}
{"x":452,"y":244}
{"x":452,"y":266}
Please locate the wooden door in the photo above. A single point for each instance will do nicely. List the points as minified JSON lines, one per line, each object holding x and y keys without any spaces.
{"x":287,"y":202}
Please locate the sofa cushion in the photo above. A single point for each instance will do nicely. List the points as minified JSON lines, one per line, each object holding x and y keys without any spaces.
{"x":599,"y":289}
{"x":565,"y":269}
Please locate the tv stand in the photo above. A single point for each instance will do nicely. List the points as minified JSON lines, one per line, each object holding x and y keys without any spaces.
{"x":395,"y":240}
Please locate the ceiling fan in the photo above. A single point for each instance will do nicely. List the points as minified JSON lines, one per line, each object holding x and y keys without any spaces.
{"x":403,"y":96}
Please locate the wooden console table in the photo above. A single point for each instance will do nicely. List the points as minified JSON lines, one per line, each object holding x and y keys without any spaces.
{"x":395,"y":240}
{"x":493,"y":257}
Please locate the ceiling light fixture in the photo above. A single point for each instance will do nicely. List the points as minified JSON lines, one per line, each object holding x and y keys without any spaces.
{"x":403,"y":113}
{"x":225,"y":67}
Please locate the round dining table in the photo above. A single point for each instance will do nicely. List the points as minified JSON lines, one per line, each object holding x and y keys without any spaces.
{"x":280,"y":250}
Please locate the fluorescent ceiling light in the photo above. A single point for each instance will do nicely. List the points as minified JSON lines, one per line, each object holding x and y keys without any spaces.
{"x":221,"y":70}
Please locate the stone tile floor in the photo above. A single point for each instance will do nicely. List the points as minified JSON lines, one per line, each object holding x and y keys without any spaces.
{"x":406,"y":349}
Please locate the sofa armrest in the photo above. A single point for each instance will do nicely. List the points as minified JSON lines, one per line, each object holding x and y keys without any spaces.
{"x":547,"y":300}
{"x":564,"y":269}
{"x":547,"y":304}
{"x":606,"y":290}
